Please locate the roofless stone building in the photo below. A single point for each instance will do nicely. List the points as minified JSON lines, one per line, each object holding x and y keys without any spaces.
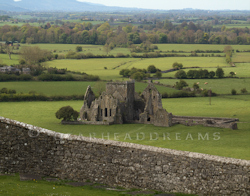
{"x":121,"y":104}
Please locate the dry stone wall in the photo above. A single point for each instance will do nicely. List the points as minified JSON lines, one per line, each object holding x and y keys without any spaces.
{"x":33,"y":150}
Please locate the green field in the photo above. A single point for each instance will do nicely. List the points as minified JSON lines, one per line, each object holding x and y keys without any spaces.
{"x":19,"y":24}
{"x":65,"y":48}
{"x":242,"y":57}
{"x":4,"y":59}
{"x":241,"y":70}
{"x":96,"y":66}
{"x":219,"y":86}
{"x":232,"y":143}
{"x":68,"y":88}
{"x":193,"y":47}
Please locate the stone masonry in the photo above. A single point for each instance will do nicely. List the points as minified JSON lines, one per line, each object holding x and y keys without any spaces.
{"x":33,"y":150}
{"x":121,"y":104}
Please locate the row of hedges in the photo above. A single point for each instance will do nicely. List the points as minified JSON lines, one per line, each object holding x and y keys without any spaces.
{"x":75,"y":55}
{"x":178,"y":94}
{"x":13,"y":77}
{"x":67,"y":77}
{"x":38,"y":97}
{"x":48,"y":77}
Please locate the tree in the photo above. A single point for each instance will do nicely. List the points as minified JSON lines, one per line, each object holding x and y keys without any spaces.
{"x":219,"y":72}
{"x":244,"y":90}
{"x":158,"y":74}
{"x":211,"y":74}
{"x":8,"y":49}
{"x":234,"y":92}
{"x":78,"y":48}
{"x":67,"y":113}
{"x":181,"y":74}
{"x":125,"y":73}
{"x":152,"y":69}
{"x":232,"y":74}
{"x":107,"y":48}
{"x":34,"y":55}
{"x":177,"y":65}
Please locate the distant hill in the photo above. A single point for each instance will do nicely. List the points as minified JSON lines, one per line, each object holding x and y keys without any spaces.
{"x":56,"y":5}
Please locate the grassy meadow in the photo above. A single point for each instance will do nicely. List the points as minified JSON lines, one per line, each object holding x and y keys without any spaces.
{"x":193,"y":47}
{"x":114,"y":65}
{"x":232,"y":143}
{"x":69,"y":88}
{"x":4,"y":59}
{"x":242,"y":57}
{"x":219,"y":86}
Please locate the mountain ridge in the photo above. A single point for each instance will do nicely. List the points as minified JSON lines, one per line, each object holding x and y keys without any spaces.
{"x":56,"y":5}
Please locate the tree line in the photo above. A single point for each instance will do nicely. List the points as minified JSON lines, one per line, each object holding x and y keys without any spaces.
{"x":123,"y":36}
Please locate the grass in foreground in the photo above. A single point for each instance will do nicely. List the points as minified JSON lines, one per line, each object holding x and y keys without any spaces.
{"x":232,"y":143}
{"x":12,"y":186}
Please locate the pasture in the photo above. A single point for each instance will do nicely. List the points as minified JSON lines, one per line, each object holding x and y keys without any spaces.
{"x":219,"y":86}
{"x":4,"y":59}
{"x":232,"y":143}
{"x":69,"y":88}
{"x":114,"y":65}
{"x":193,"y":47}
{"x":242,"y":57}
{"x":64,"y":48}
{"x":241,"y":70}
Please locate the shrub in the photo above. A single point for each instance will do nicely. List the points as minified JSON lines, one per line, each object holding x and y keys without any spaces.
{"x":182,"y":94}
{"x":164,"y":95}
{"x":196,"y":86}
{"x":67,"y":113}
{"x":244,"y":90}
{"x":233,"y":92}
{"x":180,"y":85}
{"x":181,"y":74}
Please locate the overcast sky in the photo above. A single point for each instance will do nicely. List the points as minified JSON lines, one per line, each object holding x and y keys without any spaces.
{"x":178,"y":4}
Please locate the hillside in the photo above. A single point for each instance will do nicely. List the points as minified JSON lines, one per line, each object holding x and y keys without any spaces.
{"x":55,"y":5}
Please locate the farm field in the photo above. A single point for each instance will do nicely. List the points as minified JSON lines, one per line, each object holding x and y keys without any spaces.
{"x":68,"y":88}
{"x":193,"y":47}
{"x":232,"y":143}
{"x":4,"y":59}
{"x":241,"y":69}
{"x":242,"y":57}
{"x":64,"y":48}
{"x":219,"y":86}
{"x":114,"y":65}
{"x":19,"y":24}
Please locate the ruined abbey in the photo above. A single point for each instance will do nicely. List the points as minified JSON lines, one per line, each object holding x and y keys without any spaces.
{"x":121,"y":104}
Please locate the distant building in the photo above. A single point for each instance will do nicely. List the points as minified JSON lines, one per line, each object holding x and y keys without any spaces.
{"x":9,"y":69}
{"x":26,"y":70}
{"x":121,"y":104}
